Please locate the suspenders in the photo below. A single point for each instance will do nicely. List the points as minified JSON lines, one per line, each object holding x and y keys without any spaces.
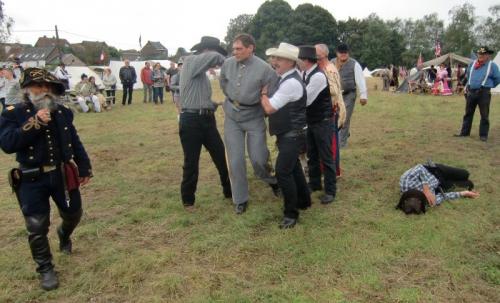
{"x":488,"y":70}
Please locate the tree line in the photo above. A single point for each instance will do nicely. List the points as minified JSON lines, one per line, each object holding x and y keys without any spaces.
{"x":374,"y":42}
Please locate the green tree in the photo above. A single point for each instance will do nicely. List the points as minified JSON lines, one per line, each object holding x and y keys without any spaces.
{"x":306,"y":19}
{"x":488,"y":32}
{"x":6,"y":24}
{"x":238,"y":25}
{"x":270,"y":25}
{"x":459,"y":37}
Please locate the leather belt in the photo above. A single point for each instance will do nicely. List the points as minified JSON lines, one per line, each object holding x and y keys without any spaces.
{"x":348,"y":92}
{"x":475,"y":90}
{"x":294,"y":133}
{"x":238,"y":104}
{"x":201,"y":111}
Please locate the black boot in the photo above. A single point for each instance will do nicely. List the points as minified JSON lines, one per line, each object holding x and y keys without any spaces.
{"x":64,"y":231}
{"x":38,"y":228}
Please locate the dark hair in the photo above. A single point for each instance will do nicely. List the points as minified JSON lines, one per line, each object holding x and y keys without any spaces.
{"x":245,"y":39}
{"x":91,"y":77}
{"x":312,"y":60}
{"x":83,"y":76}
{"x":412,"y":202}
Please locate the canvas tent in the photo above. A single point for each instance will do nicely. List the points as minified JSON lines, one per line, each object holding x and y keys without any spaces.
{"x":496,"y":90}
{"x":449,"y":59}
{"x":137,"y":65}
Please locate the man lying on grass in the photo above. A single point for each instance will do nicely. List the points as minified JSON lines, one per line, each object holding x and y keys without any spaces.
{"x":426,"y":185}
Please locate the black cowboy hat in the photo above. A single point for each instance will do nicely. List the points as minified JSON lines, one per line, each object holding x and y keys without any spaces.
{"x":343,"y":48}
{"x":208,"y":42}
{"x":485,"y":50}
{"x":36,"y":75}
{"x":307,"y":52}
{"x":412,"y":202}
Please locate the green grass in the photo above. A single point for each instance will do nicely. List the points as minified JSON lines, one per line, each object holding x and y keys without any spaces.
{"x":137,"y":244}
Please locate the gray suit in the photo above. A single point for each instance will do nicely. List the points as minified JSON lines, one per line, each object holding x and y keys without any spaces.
{"x":244,"y":122}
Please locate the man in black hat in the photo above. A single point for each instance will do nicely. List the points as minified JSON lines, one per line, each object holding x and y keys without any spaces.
{"x":352,"y":79}
{"x":482,"y":75}
{"x":197,"y":125}
{"x":319,"y":115}
{"x":52,"y":163}
{"x":426,"y":185}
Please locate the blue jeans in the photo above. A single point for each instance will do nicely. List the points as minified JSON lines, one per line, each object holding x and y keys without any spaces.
{"x":158,"y":95}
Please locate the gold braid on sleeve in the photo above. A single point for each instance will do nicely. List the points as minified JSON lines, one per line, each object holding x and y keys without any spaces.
{"x":33,"y":122}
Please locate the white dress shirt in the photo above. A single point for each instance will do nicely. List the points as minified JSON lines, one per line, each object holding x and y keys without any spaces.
{"x":360,"y":81}
{"x":289,"y":91}
{"x":317,"y":83}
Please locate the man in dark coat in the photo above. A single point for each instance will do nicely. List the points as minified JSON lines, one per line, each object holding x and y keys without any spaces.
{"x":128,"y":78}
{"x":52,"y":163}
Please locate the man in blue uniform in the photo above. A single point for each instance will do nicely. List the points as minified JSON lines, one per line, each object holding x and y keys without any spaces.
{"x":52,"y":164}
{"x":482,"y":75}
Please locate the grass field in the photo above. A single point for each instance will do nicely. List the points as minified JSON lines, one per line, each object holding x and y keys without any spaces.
{"x":137,"y":244}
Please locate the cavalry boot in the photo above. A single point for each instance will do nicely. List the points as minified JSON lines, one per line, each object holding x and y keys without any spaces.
{"x":38,"y":228}
{"x":64,"y":231}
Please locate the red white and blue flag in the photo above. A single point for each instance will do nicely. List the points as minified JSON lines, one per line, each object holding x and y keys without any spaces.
{"x":437,"y":51}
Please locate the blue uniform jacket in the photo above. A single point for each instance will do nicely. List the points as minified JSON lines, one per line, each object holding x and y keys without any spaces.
{"x":16,"y":136}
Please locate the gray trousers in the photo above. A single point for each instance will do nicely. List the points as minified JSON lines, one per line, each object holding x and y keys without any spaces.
{"x":349,"y":100}
{"x":148,"y":92}
{"x":253,"y":133}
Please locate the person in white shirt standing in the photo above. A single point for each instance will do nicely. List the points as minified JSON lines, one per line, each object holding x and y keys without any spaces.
{"x":352,"y":79}
{"x":62,"y":75}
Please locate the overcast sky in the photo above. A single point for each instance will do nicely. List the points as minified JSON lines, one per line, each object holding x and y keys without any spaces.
{"x":182,"y":22}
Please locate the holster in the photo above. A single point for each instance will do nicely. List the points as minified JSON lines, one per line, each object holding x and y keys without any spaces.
{"x":15,"y":179}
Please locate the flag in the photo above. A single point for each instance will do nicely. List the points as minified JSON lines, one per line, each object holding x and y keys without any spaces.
{"x":140,"y":43}
{"x":102,"y":56}
{"x":437,"y":50}
{"x":420,"y":61}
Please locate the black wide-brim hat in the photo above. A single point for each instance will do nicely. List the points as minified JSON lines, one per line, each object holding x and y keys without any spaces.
{"x":307,"y":52}
{"x":208,"y":42}
{"x":413,"y":193}
{"x":35,"y":75}
{"x":342,"y":48}
{"x":485,"y":50}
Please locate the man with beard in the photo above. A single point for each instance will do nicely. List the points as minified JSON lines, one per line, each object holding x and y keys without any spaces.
{"x":242,"y":78}
{"x":52,"y":163}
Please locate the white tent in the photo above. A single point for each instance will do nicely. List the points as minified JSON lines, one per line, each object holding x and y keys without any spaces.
{"x":367,"y":73}
{"x":496,"y":90}
{"x":76,"y":73}
{"x":137,"y":65}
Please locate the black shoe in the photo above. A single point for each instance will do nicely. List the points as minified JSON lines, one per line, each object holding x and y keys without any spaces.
{"x":276,"y":190}
{"x":483,"y":138}
{"x":65,"y":245}
{"x":460,"y":135}
{"x":240,"y":208}
{"x":228,"y":194}
{"x":288,"y":223}
{"x":327,"y":199}
{"x":470,"y":185}
{"x":48,"y":280}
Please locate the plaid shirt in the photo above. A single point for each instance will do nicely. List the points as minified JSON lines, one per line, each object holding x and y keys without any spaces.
{"x":417,"y":176}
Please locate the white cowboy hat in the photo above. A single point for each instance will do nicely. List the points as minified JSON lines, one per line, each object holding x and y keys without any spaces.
{"x":285,"y":50}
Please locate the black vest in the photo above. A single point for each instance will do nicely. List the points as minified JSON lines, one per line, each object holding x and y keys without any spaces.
{"x":292,"y":116}
{"x":321,"y":107}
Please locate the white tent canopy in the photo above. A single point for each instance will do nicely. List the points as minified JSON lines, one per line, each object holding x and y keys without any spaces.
{"x":367,"y":73}
{"x":137,"y":65}
{"x":496,"y":90}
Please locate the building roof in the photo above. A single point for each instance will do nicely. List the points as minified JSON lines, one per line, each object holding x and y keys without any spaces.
{"x":36,"y":53}
{"x":156,"y":45}
{"x":47,"y":42}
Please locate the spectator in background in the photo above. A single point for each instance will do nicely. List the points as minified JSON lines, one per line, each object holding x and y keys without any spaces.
{"x":128,"y":78}
{"x":450,"y":76}
{"x":86,"y":92}
{"x":352,"y":79}
{"x":158,"y":77}
{"x":147,"y":82}
{"x":171,"y":71}
{"x":432,"y":74}
{"x":3,"y":93}
{"x":109,"y":81}
{"x":174,"y":86}
{"x":17,"y":69}
{"x":62,"y":75}
{"x":12,"y":87}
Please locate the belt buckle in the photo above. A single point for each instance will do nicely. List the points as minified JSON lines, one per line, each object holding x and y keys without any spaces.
{"x":48,"y":168}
